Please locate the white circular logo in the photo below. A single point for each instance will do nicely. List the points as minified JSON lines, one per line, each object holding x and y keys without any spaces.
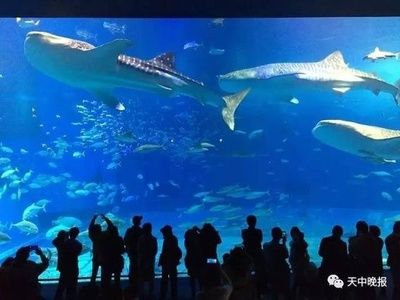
{"x":332,"y":278}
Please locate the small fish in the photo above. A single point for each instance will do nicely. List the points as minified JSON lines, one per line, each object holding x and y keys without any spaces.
{"x":8,"y":173}
{"x":174,"y":184}
{"x":23,"y":151}
{"x":26,"y":23}
{"x":113,"y":165}
{"x":139,"y":176}
{"x":294,"y":101}
{"x":216,"y":51}
{"x":114,"y":28}
{"x":86,"y":35}
{"x":192,"y":45}
{"x":26,"y":227}
{"x":218,"y":21}
{"x":4,"y":238}
{"x":255,"y":134}
{"x":387,"y":196}
{"x":78,"y":154}
{"x":4,"y":160}
{"x":52,"y":165}
{"x":147,"y":148}
{"x":194,"y":209}
{"x":7,"y":150}
{"x":129,"y":199}
{"x":207,"y":145}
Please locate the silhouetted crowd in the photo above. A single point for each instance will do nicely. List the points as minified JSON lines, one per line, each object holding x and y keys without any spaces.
{"x":251,"y":271}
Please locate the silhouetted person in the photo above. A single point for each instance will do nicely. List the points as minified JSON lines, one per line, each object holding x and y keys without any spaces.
{"x":59,"y":242}
{"x":375,"y":232}
{"x":239,"y":266}
{"x":193,"y":257}
{"x":146,"y":253}
{"x":95,"y":235}
{"x":24,"y":274}
{"x":299,"y":260}
{"x":131,"y":238}
{"x":334,"y":261}
{"x":209,"y":240}
{"x":5,"y":284}
{"x":392,"y":243}
{"x":216,"y":283}
{"x":362,"y":256}
{"x":112,"y":247}
{"x":252,"y":241}
{"x":169,"y":260}
{"x":276,"y":266}
{"x":69,"y":268}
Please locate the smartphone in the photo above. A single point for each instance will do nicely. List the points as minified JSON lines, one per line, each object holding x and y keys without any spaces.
{"x":211,"y":260}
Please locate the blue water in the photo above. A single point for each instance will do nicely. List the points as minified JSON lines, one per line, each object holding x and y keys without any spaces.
{"x":305,"y":182}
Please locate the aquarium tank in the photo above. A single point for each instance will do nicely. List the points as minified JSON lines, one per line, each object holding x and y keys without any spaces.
{"x":187,"y":121}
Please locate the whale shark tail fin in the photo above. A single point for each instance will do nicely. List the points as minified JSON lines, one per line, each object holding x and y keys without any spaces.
{"x":232,"y":103}
{"x":108,"y":99}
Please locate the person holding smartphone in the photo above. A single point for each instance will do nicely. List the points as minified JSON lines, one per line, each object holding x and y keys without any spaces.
{"x":278,"y":273}
{"x":24,"y":274}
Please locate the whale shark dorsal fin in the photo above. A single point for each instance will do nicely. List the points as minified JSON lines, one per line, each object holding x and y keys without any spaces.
{"x":165,"y":59}
{"x":111,"y":49}
{"x":335,"y":59}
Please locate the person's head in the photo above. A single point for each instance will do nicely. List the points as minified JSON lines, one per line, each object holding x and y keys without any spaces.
{"x":251,"y":221}
{"x":208,"y":228}
{"x":147,"y":228}
{"x":136,"y":220}
{"x":362,"y":227}
{"x":396,"y":227}
{"x":375,"y":231}
{"x":295,"y":233}
{"x":73,"y":233}
{"x":276,"y":233}
{"x":166,"y":230}
{"x":22,"y":254}
{"x":62,"y":234}
{"x":337,"y":231}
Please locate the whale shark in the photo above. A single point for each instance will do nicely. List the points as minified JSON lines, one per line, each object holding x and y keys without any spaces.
{"x":283,"y":81}
{"x":374,"y":143}
{"x":100,"y":70}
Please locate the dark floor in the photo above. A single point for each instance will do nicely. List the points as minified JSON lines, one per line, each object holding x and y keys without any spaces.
{"x":48,"y":289}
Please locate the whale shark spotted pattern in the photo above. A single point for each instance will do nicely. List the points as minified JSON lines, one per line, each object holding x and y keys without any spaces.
{"x":100,"y":70}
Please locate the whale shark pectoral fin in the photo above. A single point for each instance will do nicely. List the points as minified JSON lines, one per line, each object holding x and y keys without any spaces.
{"x":341,"y":90}
{"x":396,"y":95}
{"x":111,"y":50}
{"x":373,"y":157}
{"x":107,"y":98}
{"x":232,"y":102}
